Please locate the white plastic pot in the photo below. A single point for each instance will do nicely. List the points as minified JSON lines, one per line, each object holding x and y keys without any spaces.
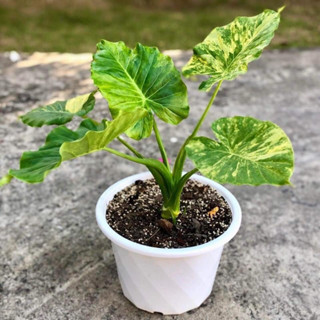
{"x":170,"y":281}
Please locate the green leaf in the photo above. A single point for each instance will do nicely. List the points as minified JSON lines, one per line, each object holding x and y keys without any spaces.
{"x":226,"y":51}
{"x":95,"y":141}
{"x":60,"y":112}
{"x":250,"y":151}
{"x":35,"y":165}
{"x":142,"y":77}
{"x":64,"y":144}
{"x":142,"y":128}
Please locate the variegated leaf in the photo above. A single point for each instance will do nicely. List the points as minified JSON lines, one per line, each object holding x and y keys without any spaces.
{"x":60,"y":112}
{"x":35,"y":165}
{"x":64,"y":144}
{"x":97,"y":140}
{"x":139,"y":78}
{"x":226,"y":51}
{"x":250,"y":151}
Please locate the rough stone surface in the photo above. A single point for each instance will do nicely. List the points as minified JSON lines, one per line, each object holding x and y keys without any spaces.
{"x":56,"y":264}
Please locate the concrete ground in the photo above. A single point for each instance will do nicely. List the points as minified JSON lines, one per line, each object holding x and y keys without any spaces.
{"x":56,"y":264}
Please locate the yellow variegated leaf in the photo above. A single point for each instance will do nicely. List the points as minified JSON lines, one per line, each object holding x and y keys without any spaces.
{"x":249,"y":151}
{"x":226,"y":51}
{"x":76,"y":104}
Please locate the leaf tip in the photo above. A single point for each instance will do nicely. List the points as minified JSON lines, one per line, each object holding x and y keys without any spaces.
{"x":281,"y":9}
{"x":5,"y":180}
{"x":22,"y":118}
{"x":290,"y":184}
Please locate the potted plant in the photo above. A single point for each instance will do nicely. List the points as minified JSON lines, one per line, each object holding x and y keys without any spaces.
{"x":176,"y":275}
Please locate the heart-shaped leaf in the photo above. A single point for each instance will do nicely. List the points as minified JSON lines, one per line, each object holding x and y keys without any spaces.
{"x":64,"y":144}
{"x":226,"y":51}
{"x":250,"y":151}
{"x":60,"y":112}
{"x":139,"y":78}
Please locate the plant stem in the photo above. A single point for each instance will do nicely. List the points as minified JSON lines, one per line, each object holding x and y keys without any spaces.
{"x":194,"y":132}
{"x":159,"y":171}
{"x":130,"y":147}
{"x":171,"y":207}
{"x":125,"y":156}
{"x":181,"y":157}
{"x":163,"y":183}
{"x":160,"y":144}
{"x":190,"y":173}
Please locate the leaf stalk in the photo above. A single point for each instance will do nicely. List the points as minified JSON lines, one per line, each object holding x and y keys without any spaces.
{"x":181,"y":157}
{"x":160,"y":144}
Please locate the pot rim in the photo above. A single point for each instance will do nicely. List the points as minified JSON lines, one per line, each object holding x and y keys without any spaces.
{"x":109,"y":193}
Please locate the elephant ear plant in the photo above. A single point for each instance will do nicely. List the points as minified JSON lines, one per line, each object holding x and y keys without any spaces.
{"x":142,"y":86}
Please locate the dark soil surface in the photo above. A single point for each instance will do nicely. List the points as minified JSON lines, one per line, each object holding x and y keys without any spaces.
{"x":135,"y":213}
